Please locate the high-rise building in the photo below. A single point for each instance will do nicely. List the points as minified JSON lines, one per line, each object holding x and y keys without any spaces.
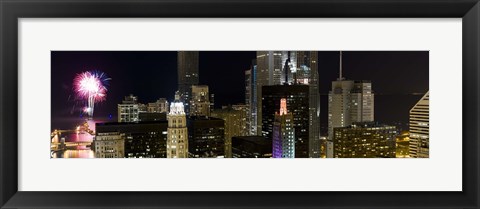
{"x":128,"y":110}
{"x":251,"y":147}
{"x":177,"y":142}
{"x":289,"y":68}
{"x":306,"y":73}
{"x":206,"y":137}
{"x":142,"y":139}
{"x":364,"y":140}
{"x":251,"y":97}
{"x":187,"y":63}
{"x":109,"y":145}
{"x":200,"y":103}
{"x":244,"y":129}
{"x":268,"y":72}
{"x":419,"y":128}
{"x":234,"y":123}
{"x":348,"y":102}
{"x":297,"y":97}
{"x":283,"y":136}
{"x":160,"y":106}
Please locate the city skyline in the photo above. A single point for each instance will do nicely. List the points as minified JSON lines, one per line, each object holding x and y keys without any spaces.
{"x":387,"y":70}
{"x":222,"y":95}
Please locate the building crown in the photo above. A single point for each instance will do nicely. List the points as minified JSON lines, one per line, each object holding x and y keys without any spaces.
{"x":283,"y":106}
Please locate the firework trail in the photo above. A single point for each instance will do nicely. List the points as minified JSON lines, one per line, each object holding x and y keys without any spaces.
{"x":91,"y":86}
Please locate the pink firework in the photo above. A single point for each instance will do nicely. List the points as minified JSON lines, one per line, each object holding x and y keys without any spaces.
{"x":92,"y":87}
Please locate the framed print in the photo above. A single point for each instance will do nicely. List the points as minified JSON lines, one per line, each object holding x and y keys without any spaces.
{"x":256,"y":104}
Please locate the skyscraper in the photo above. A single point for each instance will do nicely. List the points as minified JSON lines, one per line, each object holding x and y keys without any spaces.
{"x":251,"y":97}
{"x":200,"y":103}
{"x":268,"y":72}
{"x":364,"y":140}
{"x":283,"y":136}
{"x":177,"y":141}
{"x":297,"y":98}
{"x":288,"y":68}
{"x":419,"y":128}
{"x":187,"y":64}
{"x":348,"y":102}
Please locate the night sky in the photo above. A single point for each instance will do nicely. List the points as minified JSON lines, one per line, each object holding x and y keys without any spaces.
{"x":398,"y":79}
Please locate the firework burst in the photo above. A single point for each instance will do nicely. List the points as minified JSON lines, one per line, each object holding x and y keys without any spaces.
{"x":92,"y":87}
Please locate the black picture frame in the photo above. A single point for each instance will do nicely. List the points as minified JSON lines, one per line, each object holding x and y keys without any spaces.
{"x":11,"y":10}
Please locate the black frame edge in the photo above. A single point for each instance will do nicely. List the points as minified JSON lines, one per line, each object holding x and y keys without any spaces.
{"x":11,"y":10}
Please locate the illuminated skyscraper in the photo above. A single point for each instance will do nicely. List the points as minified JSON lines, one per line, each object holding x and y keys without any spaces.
{"x":348,"y":102}
{"x":283,"y":136}
{"x":289,"y":68}
{"x":177,"y":138}
{"x":364,"y":140}
{"x":200,"y":103}
{"x":297,"y":102}
{"x":419,"y":128}
{"x":187,"y":64}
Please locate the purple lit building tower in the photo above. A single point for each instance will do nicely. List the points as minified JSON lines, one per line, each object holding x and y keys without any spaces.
{"x":283,"y":136}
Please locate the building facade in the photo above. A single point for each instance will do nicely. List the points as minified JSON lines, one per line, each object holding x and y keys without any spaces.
{"x":160,"y":106}
{"x":177,"y":141}
{"x":283,"y":136}
{"x":234,"y":123}
{"x":365,"y":140}
{"x":109,"y":145}
{"x":141,"y":139}
{"x":206,"y":137}
{"x":128,"y":110}
{"x":200,"y":101}
{"x":251,"y":147}
{"x":419,"y":128}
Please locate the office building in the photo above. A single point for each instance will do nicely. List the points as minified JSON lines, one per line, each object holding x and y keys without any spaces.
{"x":251,"y":147}
{"x":348,"y":102}
{"x":206,"y":137}
{"x":419,"y":128}
{"x":128,"y":110}
{"x":160,"y":106}
{"x":199,"y":102}
{"x":234,"y":123}
{"x":364,"y":140}
{"x":177,"y":141}
{"x":283,"y":136}
{"x":141,"y":139}
{"x":109,"y":145}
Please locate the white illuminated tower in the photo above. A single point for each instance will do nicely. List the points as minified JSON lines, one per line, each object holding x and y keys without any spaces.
{"x":283,"y":133}
{"x":177,"y":136}
{"x":419,"y":128}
